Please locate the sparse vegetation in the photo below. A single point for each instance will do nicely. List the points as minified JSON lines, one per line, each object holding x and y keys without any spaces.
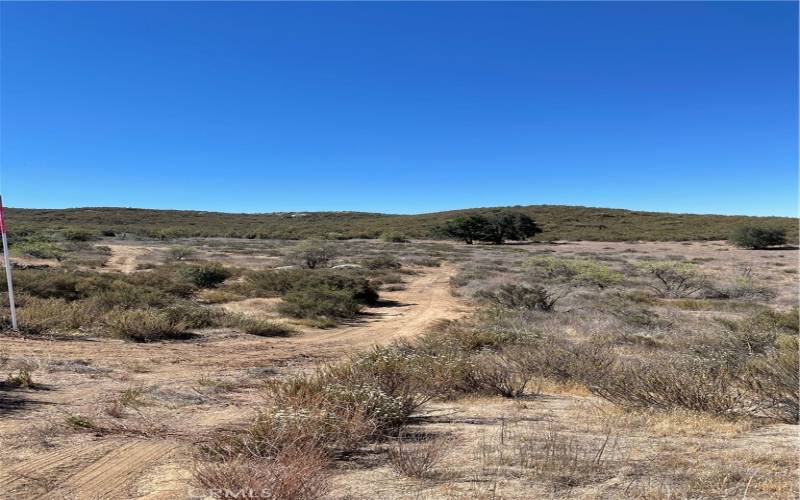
{"x":584,"y":368}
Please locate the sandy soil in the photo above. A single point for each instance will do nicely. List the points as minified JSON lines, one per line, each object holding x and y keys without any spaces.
{"x":146,"y":454}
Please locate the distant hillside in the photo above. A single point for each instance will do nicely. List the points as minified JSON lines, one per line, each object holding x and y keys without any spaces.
{"x":558,"y":222}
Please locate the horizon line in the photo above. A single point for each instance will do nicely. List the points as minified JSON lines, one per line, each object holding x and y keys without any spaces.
{"x":389,"y":214}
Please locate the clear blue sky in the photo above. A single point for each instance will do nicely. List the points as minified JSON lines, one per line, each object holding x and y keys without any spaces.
{"x":401,"y":107}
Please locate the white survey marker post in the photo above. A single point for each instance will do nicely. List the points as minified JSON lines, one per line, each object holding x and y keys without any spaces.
{"x":7,"y":259}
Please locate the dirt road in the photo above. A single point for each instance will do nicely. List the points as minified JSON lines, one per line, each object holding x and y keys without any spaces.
{"x":124,"y":257}
{"x":147,"y":453}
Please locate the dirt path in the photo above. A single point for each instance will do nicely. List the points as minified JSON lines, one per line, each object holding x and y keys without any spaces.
{"x":86,"y":465}
{"x":124,"y":257}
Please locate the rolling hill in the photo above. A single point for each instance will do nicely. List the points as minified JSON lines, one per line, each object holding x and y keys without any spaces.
{"x":559,"y":223}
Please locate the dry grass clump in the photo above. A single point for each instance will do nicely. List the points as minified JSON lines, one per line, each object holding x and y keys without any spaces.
{"x":417,"y":455}
{"x":562,"y":459}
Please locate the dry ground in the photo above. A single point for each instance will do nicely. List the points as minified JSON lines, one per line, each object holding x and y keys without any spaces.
{"x":63,"y":440}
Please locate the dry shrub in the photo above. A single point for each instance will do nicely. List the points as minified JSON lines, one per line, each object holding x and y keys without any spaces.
{"x":293,"y":474}
{"x":564,"y":361}
{"x":775,"y":381}
{"x":23,"y":379}
{"x":667,"y":384}
{"x":464,"y":335}
{"x":674,"y":279}
{"x":504,"y":373}
{"x":143,"y":325}
{"x":409,"y":377}
{"x":417,"y":456}
{"x":511,"y":296}
{"x":48,"y":315}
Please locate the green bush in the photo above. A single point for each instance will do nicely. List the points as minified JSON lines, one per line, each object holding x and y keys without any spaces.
{"x":323,"y":302}
{"x":579,"y":271}
{"x":78,"y":234}
{"x":272,"y":283}
{"x":39,"y":249}
{"x":754,"y":237}
{"x":394,"y":237}
{"x":360,"y":289}
{"x":205,"y":275}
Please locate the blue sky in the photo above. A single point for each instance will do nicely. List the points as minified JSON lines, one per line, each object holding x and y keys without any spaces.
{"x":400,"y":107}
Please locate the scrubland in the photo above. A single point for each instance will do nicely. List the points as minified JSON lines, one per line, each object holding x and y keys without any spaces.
{"x":226,"y":368}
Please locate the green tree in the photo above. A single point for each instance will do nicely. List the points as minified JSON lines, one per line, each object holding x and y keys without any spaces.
{"x":495,"y":228}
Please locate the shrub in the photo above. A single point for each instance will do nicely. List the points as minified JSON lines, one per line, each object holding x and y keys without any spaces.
{"x":774,"y":380}
{"x":410,"y":378}
{"x":179,"y":252}
{"x":311,"y":303}
{"x":39,"y":249}
{"x":393,"y":237}
{"x":419,"y":456}
{"x":504,"y":374}
{"x":294,"y":474}
{"x":382,"y":262}
{"x":579,"y":271}
{"x":563,"y":361}
{"x":674,"y":279}
{"x":47,"y":315}
{"x":327,"y":294}
{"x":77,"y":234}
{"x":530,"y":298}
{"x":46,"y":283}
{"x":313,"y":254}
{"x":272,"y":283}
{"x":667,"y":384}
{"x":753,"y":237}
{"x":262,"y":327}
{"x":191,"y":315}
{"x":23,"y":379}
{"x":205,"y":275}
{"x":123,"y":295}
{"x":143,"y":325}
